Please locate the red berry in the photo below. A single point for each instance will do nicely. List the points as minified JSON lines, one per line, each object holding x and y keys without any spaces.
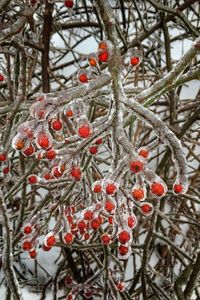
{"x":86,"y":236}
{"x":124,"y":237}
{"x":46,"y":248}
{"x":68,"y":238}
{"x":83,"y":78}
{"x":69,"y":113}
{"x":110,"y":220}
{"x":93,"y":150}
{"x":157,"y":189}
{"x":56,"y":125}
{"x":143,"y":152}
{"x":123,"y":250}
{"x":103,"y":56}
{"x":56,"y":172}
{"x":82,"y":225}
{"x":111,"y":188}
{"x":69,"y":3}
{"x":92,"y":62}
{"x":76,"y":173}
{"x":27,"y":229}
{"x":95,"y":224}
{"x":120,"y":286}
{"x":178,"y":188}
{"x":68,"y":280}
{"x":132,"y":221}
{"x":47,"y":176}
{"x":43,"y":141}
{"x":32,"y":179}
{"x":88,"y":294}
{"x":146,"y":208}
{"x":70,"y":297}
{"x":97,"y":188}
{"x":50,"y":240}
{"x":3,"y":156}
{"x":51,"y":154}
{"x":138,"y":194}
{"x":27,"y":245}
{"x":103,"y":45}
{"x":136,"y":166}
{"x":70,"y":219}
{"x":88,"y":215}
{"x":6,"y":170}
{"x":99,"y":141}
{"x":84,"y":131}
{"x":29,"y":151}
{"x":105,"y":239}
{"x":1,"y":77}
{"x":109,"y":206}
{"x":135,"y":60}
{"x":19,"y":144}
{"x":32,"y":253}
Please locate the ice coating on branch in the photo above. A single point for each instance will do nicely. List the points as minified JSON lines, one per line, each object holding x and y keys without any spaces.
{"x":167,"y":137}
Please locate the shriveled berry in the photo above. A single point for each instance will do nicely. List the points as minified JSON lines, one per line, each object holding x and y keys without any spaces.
{"x":56,"y":172}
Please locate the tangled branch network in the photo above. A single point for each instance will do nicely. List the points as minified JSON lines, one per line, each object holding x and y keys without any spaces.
{"x":61,"y":133}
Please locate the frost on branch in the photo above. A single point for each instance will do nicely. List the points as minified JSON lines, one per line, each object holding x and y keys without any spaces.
{"x":101,"y":184}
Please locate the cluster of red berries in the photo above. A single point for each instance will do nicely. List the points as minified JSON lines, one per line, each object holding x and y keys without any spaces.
{"x":36,"y":137}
